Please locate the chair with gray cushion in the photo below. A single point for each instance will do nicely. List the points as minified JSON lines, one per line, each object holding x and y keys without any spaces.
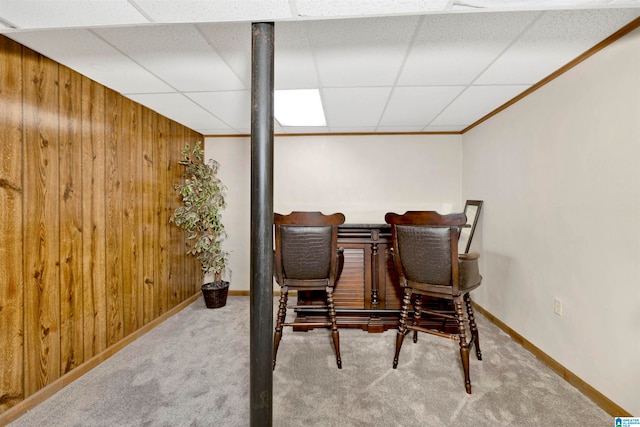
{"x":425,"y":253}
{"x":307,"y":258}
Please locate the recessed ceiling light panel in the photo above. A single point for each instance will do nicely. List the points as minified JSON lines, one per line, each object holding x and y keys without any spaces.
{"x":299,"y":107}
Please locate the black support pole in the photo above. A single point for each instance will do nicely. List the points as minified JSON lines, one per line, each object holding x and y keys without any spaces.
{"x":261,"y":346}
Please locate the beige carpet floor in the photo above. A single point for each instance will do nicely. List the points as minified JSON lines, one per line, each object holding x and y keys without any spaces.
{"x":193,"y":370}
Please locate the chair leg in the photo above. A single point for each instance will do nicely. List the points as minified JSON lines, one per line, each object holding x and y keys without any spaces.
{"x":464,"y":348}
{"x":416,"y":315}
{"x":475,"y":336}
{"x":402,"y":327}
{"x":334,"y":326}
{"x":282,"y":312}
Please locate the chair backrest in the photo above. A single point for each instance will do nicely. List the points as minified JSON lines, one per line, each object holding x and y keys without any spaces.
{"x":305,"y":248}
{"x":425,"y":245}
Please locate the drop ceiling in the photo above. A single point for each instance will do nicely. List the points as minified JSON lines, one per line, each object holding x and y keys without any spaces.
{"x":381,"y":66}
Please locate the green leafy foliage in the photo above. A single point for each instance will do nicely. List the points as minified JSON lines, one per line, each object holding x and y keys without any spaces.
{"x":200,"y":216}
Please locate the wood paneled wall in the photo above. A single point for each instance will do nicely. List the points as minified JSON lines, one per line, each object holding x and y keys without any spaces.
{"x":87,"y":253}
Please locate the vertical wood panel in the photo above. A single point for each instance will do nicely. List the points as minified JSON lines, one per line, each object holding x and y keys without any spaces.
{"x":71,"y":299}
{"x":41,"y":222}
{"x":172,"y":167}
{"x":86,"y":249}
{"x":162,"y":222}
{"x":93,"y":218}
{"x":11,"y":292}
{"x":177,"y":235}
{"x":113,"y":142}
{"x":150,"y":189}
{"x":131,"y":152}
{"x":138,"y":214}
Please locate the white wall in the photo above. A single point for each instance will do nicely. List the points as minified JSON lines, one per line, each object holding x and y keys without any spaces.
{"x":363,"y":177}
{"x":560,"y":178}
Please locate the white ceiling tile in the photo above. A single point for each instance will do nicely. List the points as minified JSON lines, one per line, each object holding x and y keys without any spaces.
{"x":294,"y":64}
{"x":454,"y":49}
{"x":315,"y":8}
{"x":417,"y":106}
{"x":215,"y":10}
{"x":87,"y":54}
{"x":69,"y":13}
{"x":232,"y":107}
{"x":302,"y":129}
{"x":221,"y":132}
{"x":443,"y":128}
{"x":553,"y":41}
{"x":507,"y":5}
{"x":401,"y":129}
{"x":352,"y":129}
{"x":475,"y":102}
{"x":178,"y":54}
{"x":354,"y":106}
{"x":360,"y":52}
{"x":181,"y":109}
{"x":232,"y":41}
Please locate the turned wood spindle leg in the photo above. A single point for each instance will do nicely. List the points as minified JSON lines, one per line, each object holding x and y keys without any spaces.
{"x":464,"y":348}
{"x":334,"y":326}
{"x":375,"y":292}
{"x":402,"y":328}
{"x":475,"y":336}
{"x":416,"y":315}
{"x":282,"y":312}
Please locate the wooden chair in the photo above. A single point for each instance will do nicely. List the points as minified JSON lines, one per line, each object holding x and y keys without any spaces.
{"x":425,"y":253}
{"x":307,"y":258}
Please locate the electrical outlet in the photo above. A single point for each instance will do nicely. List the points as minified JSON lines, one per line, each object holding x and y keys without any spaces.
{"x":557,"y":306}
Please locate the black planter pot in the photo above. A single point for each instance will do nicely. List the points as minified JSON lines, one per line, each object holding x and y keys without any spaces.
{"x":215,"y":294}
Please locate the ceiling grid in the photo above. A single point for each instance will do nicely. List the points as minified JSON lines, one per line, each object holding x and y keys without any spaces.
{"x":380,"y":66}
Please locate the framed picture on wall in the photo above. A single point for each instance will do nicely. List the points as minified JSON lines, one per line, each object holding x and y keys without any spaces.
{"x":472,"y":211}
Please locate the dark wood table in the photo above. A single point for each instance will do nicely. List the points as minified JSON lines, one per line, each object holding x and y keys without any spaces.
{"x":367,"y":295}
